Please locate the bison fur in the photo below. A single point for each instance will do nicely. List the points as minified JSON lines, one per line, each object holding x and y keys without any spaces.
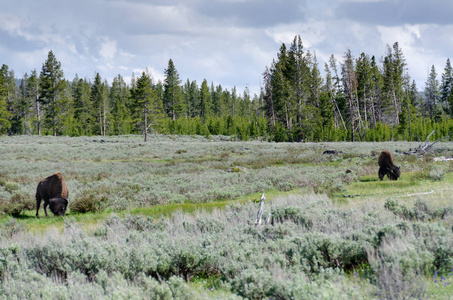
{"x":53,"y":186}
{"x":386,"y":166}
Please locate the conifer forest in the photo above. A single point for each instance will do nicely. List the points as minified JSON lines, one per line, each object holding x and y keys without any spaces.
{"x":359,"y":98}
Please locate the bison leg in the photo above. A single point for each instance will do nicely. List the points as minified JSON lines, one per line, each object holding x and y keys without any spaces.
{"x":45,"y":207}
{"x":38,"y":204}
{"x":382,"y":173}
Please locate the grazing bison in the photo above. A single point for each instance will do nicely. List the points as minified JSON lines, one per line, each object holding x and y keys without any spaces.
{"x":386,"y":166}
{"x":53,"y":187}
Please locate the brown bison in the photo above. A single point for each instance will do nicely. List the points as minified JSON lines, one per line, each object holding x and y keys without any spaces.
{"x":53,"y":191}
{"x":386,"y":166}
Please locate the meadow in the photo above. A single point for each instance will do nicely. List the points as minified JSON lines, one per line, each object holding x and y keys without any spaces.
{"x":174,"y":218}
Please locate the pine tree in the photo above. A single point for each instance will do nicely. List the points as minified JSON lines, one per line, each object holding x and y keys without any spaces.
{"x":28,"y":87}
{"x":49,"y":90}
{"x":350,"y":90}
{"x":446,"y":87}
{"x":99,"y":104}
{"x":5,"y":115}
{"x":376,"y":88}
{"x":173,"y":100}
{"x":190,"y":91}
{"x":394,"y":68}
{"x":205,"y":101}
{"x":97,"y":101}
{"x":432,"y":96}
{"x":216,"y":94}
{"x":334,"y":92}
{"x":147,"y":102}
{"x":65,"y":122}
{"x":32,"y":93}
{"x":364,"y":87}
{"x":82,"y":106}
{"x":119,"y":99}
{"x":14,"y":103}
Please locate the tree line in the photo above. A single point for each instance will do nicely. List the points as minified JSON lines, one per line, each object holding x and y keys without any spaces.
{"x":358,"y":99}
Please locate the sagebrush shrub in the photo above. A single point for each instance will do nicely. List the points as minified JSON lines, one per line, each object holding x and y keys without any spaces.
{"x":17,"y":203}
{"x":89,"y":202}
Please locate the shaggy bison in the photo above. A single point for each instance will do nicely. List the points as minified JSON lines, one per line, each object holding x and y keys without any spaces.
{"x":53,"y":191}
{"x":386,"y":166}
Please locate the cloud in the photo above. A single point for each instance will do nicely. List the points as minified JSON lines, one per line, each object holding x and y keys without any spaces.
{"x":395,"y":12}
{"x":229,"y":42}
{"x":254,"y":13}
{"x":108,"y":49}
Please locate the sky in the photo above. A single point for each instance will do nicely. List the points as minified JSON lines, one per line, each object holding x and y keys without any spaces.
{"x":226,"y":42}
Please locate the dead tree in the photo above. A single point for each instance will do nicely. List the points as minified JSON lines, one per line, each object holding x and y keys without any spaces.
{"x":423,"y":148}
{"x":260,"y":211}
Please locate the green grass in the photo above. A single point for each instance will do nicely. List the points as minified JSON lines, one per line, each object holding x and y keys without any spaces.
{"x":408,"y":187}
{"x":92,"y":220}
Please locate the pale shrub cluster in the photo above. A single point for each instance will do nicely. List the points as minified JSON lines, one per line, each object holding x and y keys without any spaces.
{"x":303,"y":253}
{"x":124,"y":172}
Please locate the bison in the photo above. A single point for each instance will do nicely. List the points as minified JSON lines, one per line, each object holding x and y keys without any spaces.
{"x":52,"y":188}
{"x":386,"y":166}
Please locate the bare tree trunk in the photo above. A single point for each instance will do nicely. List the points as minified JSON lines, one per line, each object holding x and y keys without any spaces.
{"x":145,"y":116}
{"x":100,"y":121}
{"x":38,"y":114}
{"x":373,"y":112}
{"x":339,"y":112}
{"x":395,"y":103}
{"x":365,"y":104}
{"x":104,"y":120}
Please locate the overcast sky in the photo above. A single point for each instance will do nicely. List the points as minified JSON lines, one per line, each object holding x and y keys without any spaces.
{"x":227,"y":42}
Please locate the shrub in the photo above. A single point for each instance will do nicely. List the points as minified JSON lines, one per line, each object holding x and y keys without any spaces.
{"x":437,"y":174}
{"x":17,"y":203}
{"x":89,"y":202}
{"x":422,"y":210}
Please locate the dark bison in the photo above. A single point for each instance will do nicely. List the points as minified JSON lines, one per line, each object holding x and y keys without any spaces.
{"x":52,"y":188}
{"x":386,"y":166}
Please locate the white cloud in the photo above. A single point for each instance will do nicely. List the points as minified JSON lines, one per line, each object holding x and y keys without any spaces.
{"x":108,"y":49}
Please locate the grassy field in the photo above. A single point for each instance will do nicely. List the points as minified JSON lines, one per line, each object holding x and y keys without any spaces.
{"x":174,"y":219}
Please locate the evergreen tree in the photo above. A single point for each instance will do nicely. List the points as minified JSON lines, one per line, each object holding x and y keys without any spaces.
{"x":446,"y":87}
{"x":334,"y":92}
{"x":376,"y":88}
{"x":205,"y":101}
{"x":394,"y":67}
{"x":15,"y":107}
{"x":32,"y":94}
{"x":5,"y":115}
{"x":216,"y":95}
{"x":64,"y":110}
{"x":27,"y":102}
{"x":147,"y":102}
{"x":82,"y":106}
{"x":191,"y":98}
{"x":350,"y":90}
{"x":100,"y":104}
{"x":173,"y":100}
{"x":432,"y":96}
{"x":119,"y":99}
{"x":49,"y":91}
{"x":364,"y":88}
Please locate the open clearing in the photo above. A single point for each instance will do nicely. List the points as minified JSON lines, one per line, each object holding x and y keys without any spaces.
{"x":174,"y":217}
